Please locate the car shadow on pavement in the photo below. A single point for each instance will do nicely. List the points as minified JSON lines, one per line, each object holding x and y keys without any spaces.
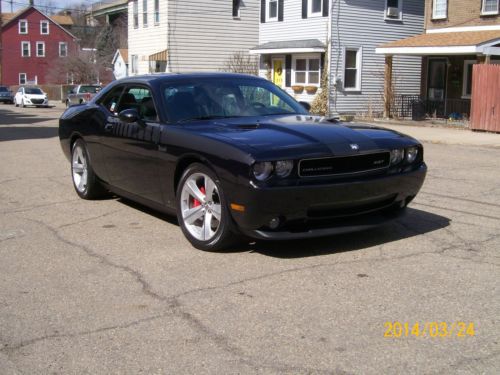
{"x":415,"y":222}
{"x":14,"y":133}
{"x":10,"y":117}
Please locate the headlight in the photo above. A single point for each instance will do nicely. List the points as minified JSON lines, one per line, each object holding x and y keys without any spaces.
{"x":262,"y":170}
{"x":283,"y":168}
{"x":411,"y":154}
{"x":397,"y":156}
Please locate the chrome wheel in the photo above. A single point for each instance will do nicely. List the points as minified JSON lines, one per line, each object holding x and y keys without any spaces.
{"x":79,"y":168}
{"x":200,"y":206}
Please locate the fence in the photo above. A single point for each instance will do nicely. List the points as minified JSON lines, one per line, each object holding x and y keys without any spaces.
{"x":485,"y":112}
{"x":412,"y":106}
{"x":402,"y":105}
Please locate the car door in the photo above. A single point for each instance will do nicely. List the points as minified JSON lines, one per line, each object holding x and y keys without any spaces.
{"x":130,"y":149}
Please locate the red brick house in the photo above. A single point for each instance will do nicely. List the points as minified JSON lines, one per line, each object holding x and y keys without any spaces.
{"x":32,"y":44}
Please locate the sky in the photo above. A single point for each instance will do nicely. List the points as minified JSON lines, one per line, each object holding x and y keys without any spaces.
{"x":54,"y":5}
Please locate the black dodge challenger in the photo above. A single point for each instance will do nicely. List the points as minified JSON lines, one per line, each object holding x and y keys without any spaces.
{"x":232,"y":154}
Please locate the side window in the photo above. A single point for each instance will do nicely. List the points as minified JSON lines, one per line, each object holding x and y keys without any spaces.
{"x":110,"y":101}
{"x":139,"y":98}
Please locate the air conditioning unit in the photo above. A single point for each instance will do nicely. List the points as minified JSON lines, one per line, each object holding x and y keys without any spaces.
{"x":392,"y":12}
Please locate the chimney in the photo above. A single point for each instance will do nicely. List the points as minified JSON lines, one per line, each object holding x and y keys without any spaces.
{"x":32,"y":3}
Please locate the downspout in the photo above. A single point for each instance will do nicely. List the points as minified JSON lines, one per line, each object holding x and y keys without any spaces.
{"x":337,"y":60}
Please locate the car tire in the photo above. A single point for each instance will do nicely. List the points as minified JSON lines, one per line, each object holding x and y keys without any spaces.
{"x":201,"y":226}
{"x":84,"y":179}
{"x":15,"y":103}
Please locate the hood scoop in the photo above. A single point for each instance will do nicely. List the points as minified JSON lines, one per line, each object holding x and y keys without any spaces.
{"x":251,"y":126}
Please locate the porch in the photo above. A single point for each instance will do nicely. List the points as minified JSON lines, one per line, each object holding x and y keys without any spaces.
{"x":446,"y":82}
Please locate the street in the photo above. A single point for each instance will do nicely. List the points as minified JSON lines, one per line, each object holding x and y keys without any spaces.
{"x":111,"y":287}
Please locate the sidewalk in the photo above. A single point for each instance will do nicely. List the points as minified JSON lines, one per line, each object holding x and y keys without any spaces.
{"x":426,"y":132}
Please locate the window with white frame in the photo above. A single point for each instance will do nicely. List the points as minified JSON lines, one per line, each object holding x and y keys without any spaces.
{"x":25,"y":49}
{"x":352,"y":69}
{"x":272,"y":10}
{"x":439,"y":9}
{"x":40,"y":49}
{"x":22,"y":78}
{"x":315,"y":8}
{"x":134,"y":64}
{"x":23,"y":27}
{"x":393,"y":10}
{"x":63,"y":49}
{"x":157,"y":12}
{"x":489,"y":7}
{"x":135,"y":11}
{"x":306,"y":70}
{"x":44,"y":27}
{"x":145,"y":13}
{"x":236,"y":8}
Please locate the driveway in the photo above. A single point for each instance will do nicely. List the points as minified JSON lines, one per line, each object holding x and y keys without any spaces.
{"x":105,"y":287}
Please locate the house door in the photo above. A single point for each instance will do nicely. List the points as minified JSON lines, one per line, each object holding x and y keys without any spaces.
{"x":436,"y":85}
{"x":278,"y":72}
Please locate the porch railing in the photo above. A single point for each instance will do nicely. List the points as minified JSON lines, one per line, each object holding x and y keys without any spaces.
{"x":413,"y":106}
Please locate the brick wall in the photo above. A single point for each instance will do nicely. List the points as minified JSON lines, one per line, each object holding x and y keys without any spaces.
{"x":460,"y":13}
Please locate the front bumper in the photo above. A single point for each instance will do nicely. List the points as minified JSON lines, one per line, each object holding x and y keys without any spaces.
{"x":326,"y":209}
{"x":33,"y":101}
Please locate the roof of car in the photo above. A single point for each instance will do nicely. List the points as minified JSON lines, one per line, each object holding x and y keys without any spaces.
{"x":181,"y":76}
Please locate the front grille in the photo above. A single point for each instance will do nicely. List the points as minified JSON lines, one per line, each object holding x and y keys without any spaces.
{"x":351,"y":209}
{"x":37,"y":101}
{"x":343,"y":165}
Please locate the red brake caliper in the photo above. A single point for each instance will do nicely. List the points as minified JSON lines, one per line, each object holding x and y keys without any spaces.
{"x":196,"y":202}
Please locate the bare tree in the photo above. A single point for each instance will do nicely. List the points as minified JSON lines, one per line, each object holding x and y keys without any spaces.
{"x":74,"y":70}
{"x":240,"y":62}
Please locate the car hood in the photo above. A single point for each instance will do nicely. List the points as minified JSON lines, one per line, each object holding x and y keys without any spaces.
{"x":293,"y":136}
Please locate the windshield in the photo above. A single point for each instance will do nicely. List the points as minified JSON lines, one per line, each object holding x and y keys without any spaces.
{"x":90,"y":89}
{"x":210,"y":98}
{"x":3,"y":89}
{"x":34,"y":91}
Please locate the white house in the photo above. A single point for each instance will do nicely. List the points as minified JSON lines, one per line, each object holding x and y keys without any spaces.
{"x":120,"y":63}
{"x":184,"y":36}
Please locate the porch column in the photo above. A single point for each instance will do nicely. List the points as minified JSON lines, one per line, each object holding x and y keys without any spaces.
{"x":388,"y":86}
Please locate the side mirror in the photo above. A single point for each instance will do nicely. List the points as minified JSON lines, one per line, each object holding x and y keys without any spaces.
{"x":306,"y":105}
{"x":129,"y":116}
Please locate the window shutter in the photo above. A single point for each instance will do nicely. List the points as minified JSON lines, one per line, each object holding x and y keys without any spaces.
{"x":326,"y":4}
{"x":304,"y":8}
{"x":288,"y":70}
{"x":322,"y":62}
{"x":280,"y":10}
{"x":262,"y":11}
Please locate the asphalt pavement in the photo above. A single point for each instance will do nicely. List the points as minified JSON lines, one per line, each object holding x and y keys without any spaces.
{"x":110,"y":287}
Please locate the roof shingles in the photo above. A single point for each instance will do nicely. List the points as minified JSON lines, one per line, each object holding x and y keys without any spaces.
{"x":447,"y":39}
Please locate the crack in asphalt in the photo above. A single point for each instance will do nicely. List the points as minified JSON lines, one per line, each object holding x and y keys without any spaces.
{"x":459,"y":211}
{"x":9,"y":349}
{"x":89,"y":219}
{"x":177,"y":309}
{"x":489,"y":204}
{"x":30,"y":208}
